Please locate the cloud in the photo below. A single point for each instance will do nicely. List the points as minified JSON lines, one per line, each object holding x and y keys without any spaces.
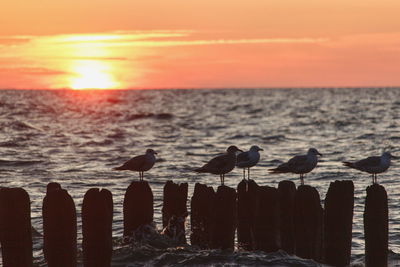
{"x":14,"y":40}
{"x":33,"y":71}
{"x":164,"y":38}
{"x":163,"y":43}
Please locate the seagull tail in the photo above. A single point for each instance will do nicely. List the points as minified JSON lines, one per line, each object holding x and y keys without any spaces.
{"x":280,"y":169}
{"x":200,"y":170}
{"x":348,"y":164}
{"x":277,"y":170}
{"x":120,"y":168}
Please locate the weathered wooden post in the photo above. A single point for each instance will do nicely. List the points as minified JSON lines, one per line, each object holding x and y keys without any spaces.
{"x":338,"y":221}
{"x":246,"y":208}
{"x":267,"y":230}
{"x":138,"y":206}
{"x":201,"y":215}
{"x":224,"y":216}
{"x":59,"y":227}
{"x":376,"y":227}
{"x":287,"y":193}
{"x":174,"y":210}
{"x":97,"y":216}
{"x":308,"y":223}
{"x":15,"y":227}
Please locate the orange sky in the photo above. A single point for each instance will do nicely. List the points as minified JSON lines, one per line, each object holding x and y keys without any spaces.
{"x":197,"y":44}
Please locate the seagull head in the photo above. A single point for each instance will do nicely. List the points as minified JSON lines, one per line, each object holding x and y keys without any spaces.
{"x":256,"y":148}
{"x":151,"y":152}
{"x":313,"y":151}
{"x":233,"y":149}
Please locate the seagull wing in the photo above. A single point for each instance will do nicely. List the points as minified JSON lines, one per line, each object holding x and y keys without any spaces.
{"x":242,"y":158}
{"x":368,"y":162}
{"x":215,"y":165}
{"x":292,"y":165}
{"x":134,"y":164}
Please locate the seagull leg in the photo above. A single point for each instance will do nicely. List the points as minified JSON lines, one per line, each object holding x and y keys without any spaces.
{"x":301,"y":179}
{"x":248,"y":173}
{"x":220,"y":178}
{"x":244,"y":173}
{"x":223,"y":179}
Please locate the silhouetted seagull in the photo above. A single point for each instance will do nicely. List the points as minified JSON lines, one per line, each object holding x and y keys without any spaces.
{"x":248,"y":159}
{"x":140,"y":163}
{"x":299,"y":164}
{"x":373,"y":165}
{"x":221,"y":164}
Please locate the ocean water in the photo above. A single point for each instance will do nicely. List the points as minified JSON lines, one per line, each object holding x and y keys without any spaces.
{"x":77,"y":137}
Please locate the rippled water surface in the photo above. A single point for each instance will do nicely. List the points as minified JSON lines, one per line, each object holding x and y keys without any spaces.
{"x":77,"y":137}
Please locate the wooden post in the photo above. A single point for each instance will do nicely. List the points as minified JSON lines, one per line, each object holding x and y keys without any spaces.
{"x":174,"y":210}
{"x":287,"y":193}
{"x":247,"y":207}
{"x":376,"y":227}
{"x":308,"y":223}
{"x":59,"y":228}
{"x":224,"y":215}
{"x":338,"y":221}
{"x":138,"y":206}
{"x":15,"y":227}
{"x":201,"y":216}
{"x":97,"y":216}
{"x":267,"y":230}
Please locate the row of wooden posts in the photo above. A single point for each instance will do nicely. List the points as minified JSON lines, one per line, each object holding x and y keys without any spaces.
{"x":266,"y":219}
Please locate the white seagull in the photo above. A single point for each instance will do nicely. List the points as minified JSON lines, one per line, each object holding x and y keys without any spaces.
{"x":372,"y":165}
{"x":221,"y":164}
{"x":140,"y":163}
{"x":299,"y":164}
{"x":248,"y":159}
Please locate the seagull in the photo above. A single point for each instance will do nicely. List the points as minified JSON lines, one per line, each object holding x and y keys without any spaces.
{"x":221,"y":164}
{"x":373,"y":165}
{"x":299,"y":164}
{"x":140,"y":163}
{"x":248,"y":159}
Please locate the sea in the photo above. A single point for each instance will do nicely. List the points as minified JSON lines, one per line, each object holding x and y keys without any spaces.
{"x":76,"y":137}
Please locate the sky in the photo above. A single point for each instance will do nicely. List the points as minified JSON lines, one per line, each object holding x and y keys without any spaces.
{"x":129,"y":44}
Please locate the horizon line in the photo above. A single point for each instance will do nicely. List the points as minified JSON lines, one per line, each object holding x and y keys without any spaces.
{"x":207,"y":88}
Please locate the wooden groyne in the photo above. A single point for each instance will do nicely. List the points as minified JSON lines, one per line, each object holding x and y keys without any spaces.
{"x":97,"y":217}
{"x":338,"y":223}
{"x":376,"y":224}
{"x":59,"y":227}
{"x":265,"y":218}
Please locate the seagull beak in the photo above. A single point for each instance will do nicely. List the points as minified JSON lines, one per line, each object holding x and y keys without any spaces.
{"x":394,"y":157}
{"x":319,"y":154}
{"x":260,"y":149}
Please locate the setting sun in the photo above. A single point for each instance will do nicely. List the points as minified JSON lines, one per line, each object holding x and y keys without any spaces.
{"x":91,"y":74}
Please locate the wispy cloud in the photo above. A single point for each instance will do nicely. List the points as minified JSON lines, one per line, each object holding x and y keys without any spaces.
{"x":33,"y":71}
{"x":164,"y":43}
{"x":153,"y":38}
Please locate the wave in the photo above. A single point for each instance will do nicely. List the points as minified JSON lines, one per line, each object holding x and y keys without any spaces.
{"x":106,"y":142}
{"x":23,"y":126}
{"x":159,"y":116}
{"x":19,"y":163}
{"x":274,"y":138}
{"x":147,"y":246}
